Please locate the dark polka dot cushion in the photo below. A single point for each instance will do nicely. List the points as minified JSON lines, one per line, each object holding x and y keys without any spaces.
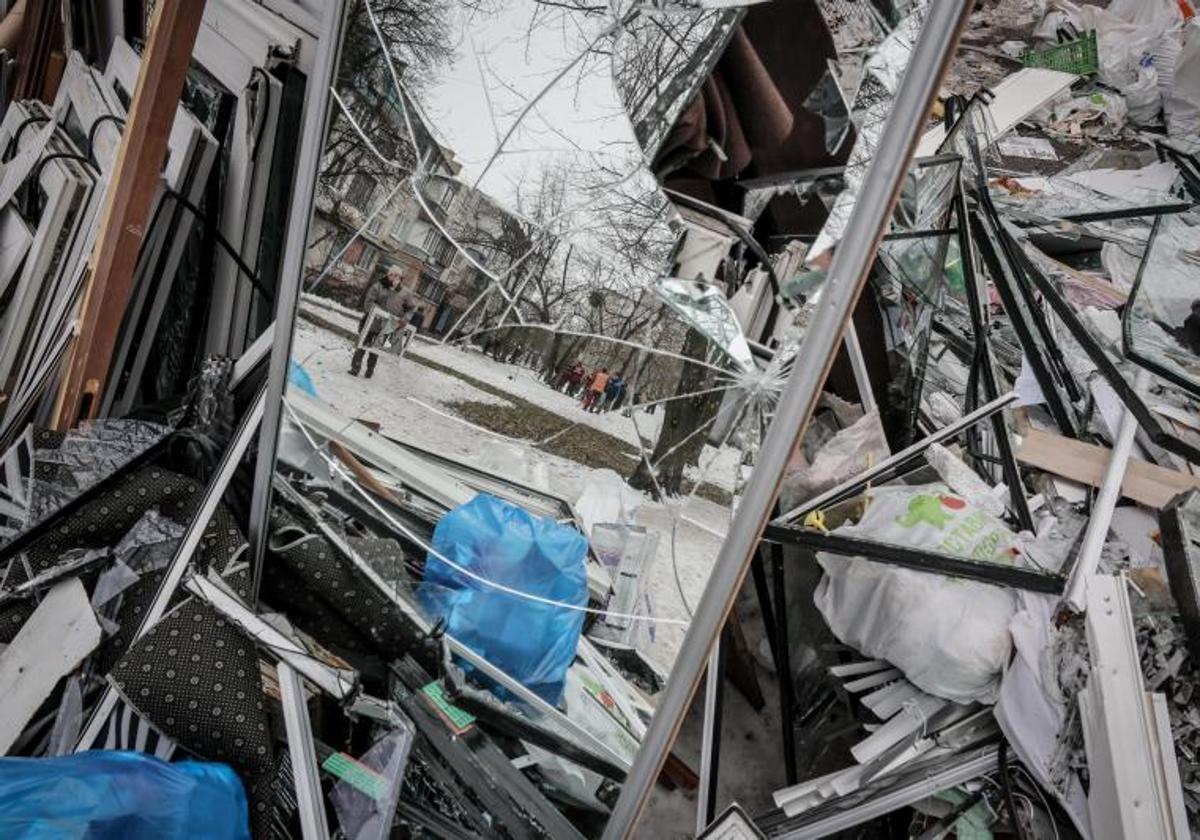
{"x":195,"y":676}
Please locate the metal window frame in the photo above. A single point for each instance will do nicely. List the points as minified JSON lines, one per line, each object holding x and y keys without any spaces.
{"x":1181,"y":550}
{"x":1107,"y":368}
{"x":315,"y":124}
{"x":235,"y":39}
{"x":920,"y":781}
{"x":1135,"y":788}
{"x":1128,"y":347}
{"x":851,"y":264}
{"x":70,"y":192}
{"x":985,"y":363}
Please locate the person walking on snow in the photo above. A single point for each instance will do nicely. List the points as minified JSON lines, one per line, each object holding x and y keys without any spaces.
{"x":596,"y":389}
{"x":613,"y":392}
{"x":381,"y":293}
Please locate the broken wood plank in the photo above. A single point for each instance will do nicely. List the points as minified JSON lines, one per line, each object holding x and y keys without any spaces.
{"x":135,"y":182}
{"x":52,"y":642}
{"x":1145,"y":483}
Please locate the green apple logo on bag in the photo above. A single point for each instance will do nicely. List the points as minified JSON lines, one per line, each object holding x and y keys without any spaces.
{"x":928,"y":510}
{"x":965,"y":532}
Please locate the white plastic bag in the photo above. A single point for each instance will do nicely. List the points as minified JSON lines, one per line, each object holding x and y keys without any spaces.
{"x":1142,"y":96}
{"x":949,"y":636}
{"x":845,"y":455}
{"x":1182,"y":103}
{"x":607,"y":498}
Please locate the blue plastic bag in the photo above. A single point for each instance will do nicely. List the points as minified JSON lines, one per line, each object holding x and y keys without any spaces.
{"x":298,"y":378}
{"x":533,"y":642}
{"x":116,"y":795}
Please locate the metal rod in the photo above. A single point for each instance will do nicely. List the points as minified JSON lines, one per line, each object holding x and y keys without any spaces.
{"x":710,"y":742}
{"x":884,"y":466}
{"x":967,"y":257}
{"x":859,"y":365}
{"x":1102,"y":510}
{"x":787,"y":694}
{"x":308,"y":160}
{"x":851,"y":263}
{"x":1021,"y":318}
{"x":309,"y":800}
{"x":921,"y":560}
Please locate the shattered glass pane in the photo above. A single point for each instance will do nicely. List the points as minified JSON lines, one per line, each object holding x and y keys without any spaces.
{"x":661,"y":61}
{"x":926,"y":266}
{"x":828,"y":100}
{"x":707,"y":309}
{"x":871,"y":106}
{"x":498,"y":201}
{"x":1089,"y":191}
{"x":1162,"y":320}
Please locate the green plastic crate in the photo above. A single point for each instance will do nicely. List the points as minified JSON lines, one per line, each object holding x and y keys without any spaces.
{"x":1078,"y":56}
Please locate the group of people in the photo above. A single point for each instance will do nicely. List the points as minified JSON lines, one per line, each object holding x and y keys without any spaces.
{"x":387,"y":292}
{"x":599,"y":390}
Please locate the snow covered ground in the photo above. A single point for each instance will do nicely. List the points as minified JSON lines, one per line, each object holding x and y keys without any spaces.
{"x":413,"y":402}
{"x":717,"y":466}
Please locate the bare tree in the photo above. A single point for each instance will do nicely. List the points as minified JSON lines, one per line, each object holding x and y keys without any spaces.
{"x":419,"y":42}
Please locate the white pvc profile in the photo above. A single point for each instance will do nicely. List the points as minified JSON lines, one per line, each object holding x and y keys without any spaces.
{"x":1088,"y":559}
{"x":310,"y":802}
{"x":338,"y":684}
{"x":409,"y":469}
{"x":1134,"y":790}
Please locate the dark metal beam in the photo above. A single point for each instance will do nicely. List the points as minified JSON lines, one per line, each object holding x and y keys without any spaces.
{"x":1181,"y":550}
{"x":934,"y":562}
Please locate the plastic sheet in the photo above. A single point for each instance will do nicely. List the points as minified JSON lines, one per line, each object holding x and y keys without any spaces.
{"x":844,"y":456}
{"x":607,"y":498}
{"x":86,"y":455}
{"x":147,"y":547}
{"x":532,"y":641}
{"x":366,"y":807}
{"x":963,"y":480}
{"x":298,"y":378}
{"x":112,"y":795}
{"x":1182,"y":101}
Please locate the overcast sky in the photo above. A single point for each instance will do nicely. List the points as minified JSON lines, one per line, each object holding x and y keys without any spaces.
{"x":581,"y":111}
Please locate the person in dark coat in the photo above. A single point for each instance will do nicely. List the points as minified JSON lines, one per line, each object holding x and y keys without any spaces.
{"x":378,"y":293}
{"x":614,"y":391}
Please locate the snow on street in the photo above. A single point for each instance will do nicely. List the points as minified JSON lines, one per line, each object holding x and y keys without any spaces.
{"x":413,"y":402}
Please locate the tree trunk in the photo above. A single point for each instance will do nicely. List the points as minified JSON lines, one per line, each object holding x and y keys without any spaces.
{"x":681,"y":418}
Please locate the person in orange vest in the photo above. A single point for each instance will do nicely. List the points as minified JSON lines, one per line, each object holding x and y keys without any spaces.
{"x":595,"y":389}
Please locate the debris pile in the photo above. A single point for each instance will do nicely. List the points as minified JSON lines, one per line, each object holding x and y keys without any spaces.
{"x":257,"y":587}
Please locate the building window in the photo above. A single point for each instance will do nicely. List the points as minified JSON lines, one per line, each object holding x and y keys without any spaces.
{"x":431,"y":289}
{"x":418,"y":233}
{"x":438,"y":248}
{"x":359,"y":191}
{"x":359,"y":253}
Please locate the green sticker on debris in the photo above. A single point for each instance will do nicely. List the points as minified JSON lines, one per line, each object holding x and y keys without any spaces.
{"x":357,"y":775}
{"x":456,"y":718}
